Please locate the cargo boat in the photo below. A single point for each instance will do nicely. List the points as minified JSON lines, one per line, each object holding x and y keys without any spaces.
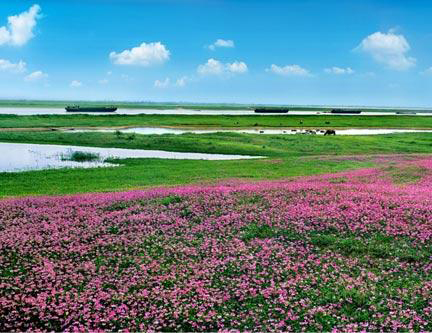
{"x":77,"y":108}
{"x":346,"y":111}
{"x":267,"y":110}
{"x":405,"y":112}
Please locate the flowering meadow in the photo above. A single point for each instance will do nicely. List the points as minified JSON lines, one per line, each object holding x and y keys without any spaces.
{"x":339,"y":252}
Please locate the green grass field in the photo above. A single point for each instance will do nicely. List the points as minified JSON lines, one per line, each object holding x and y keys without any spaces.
{"x":288,"y":156}
{"x":295,"y":121}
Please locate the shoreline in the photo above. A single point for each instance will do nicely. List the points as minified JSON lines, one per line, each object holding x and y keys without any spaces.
{"x":263,"y":128}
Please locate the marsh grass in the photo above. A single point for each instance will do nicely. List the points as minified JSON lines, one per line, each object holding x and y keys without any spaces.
{"x":81,"y":156}
{"x":287,"y":156}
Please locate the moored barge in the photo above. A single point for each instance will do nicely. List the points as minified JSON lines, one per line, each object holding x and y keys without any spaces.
{"x":345,"y":111}
{"x":271,"y":110}
{"x":77,"y":108}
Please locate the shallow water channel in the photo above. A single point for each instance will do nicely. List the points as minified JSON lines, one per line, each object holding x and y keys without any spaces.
{"x":60,"y":111}
{"x":22,"y":156}
{"x":163,"y":130}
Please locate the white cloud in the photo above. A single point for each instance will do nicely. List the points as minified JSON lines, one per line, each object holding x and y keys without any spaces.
{"x":211,"y":67}
{"x":227,"y":43}
{"x":20,"y":27}
{"x":339,"y":70}
{"x":35,"y":76}
{"x":289,"y":70}
{"x":162,"y":84}
{"x":103,"y":81}
{"x":75,"y":84}
{"x":144,"y":55}
{"x":389,"y":49}
{"x":109,"y":73}
{"x":6,"y":65}
{"x":181,"y":82}
{"x":237,"y":67}
{"x":215,"y":67}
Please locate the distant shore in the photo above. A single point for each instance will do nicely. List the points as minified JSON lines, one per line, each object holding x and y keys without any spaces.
{"x":191,"y":106}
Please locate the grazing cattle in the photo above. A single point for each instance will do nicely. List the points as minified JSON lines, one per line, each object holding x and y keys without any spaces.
{"x":330,"y":132}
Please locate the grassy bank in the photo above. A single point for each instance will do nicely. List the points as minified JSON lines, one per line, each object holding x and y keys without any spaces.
{"x":288,"y":156}
{"x":295,"y":121}
{"x":236,"y":143}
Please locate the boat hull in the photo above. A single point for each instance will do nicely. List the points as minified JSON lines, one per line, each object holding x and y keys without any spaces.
{"x":345,"y":111}
{"x":271,"y":110}
{"x":90,"y":109}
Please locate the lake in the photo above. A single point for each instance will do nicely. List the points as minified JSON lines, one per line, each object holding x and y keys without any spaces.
{"x":23,"y":156}
{"x":164,"y":130}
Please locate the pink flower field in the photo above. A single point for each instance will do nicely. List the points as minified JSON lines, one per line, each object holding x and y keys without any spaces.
{"x":341,"y":252}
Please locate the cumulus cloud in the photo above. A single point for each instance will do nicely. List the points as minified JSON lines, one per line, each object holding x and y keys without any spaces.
{"x":289,"y":70}
{"x":237,"y":67}
{"x":19,"y":29}
{"x":162,"y":83}
{"x":143,"y":55}
{"x":211,"y":67}
{"x":75,"y":84}
{"x":103,"y":81}
{"x":215,"y":67}
{"x":389,"y":49}
{"x":339,"y":70}
{"x":35,"y":76}
{"x":6,"y":65}
{"x":226,"y":43}
{"x":181,"y":82}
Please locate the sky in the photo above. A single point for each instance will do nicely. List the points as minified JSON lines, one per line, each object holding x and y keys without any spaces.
{"x":299,"y":52}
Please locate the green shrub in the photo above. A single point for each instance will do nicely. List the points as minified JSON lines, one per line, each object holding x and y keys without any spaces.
{"x":81,"y":156}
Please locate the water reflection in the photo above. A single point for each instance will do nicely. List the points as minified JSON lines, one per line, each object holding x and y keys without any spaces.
{"x":162,"y":130}
{"x":22,"y":156}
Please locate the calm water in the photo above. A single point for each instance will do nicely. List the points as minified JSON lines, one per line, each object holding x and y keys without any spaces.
{"x":160,"y":130}
{"x":21,"y":157}
{"x":40,"y":111}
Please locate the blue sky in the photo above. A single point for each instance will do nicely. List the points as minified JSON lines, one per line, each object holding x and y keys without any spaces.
{"x":280,"y":52}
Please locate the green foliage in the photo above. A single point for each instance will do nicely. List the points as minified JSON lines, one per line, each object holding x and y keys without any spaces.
{"x":120,"y":205}
{"x":215,"y":121}
{"x":263,"y":231}
{"x":81,"y":156}
{"x":376,"y":245}
{"x":172,"y":199}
